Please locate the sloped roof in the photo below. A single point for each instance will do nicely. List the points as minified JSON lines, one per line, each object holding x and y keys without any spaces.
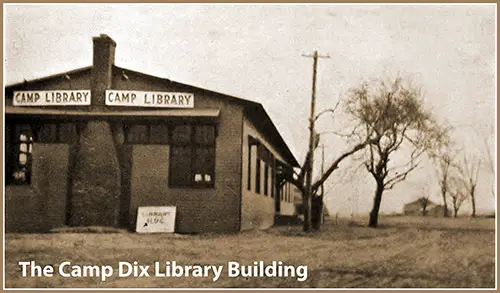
{"x":82,"y":70}
{"x":258,"y":114}
{"x":421,"y":201}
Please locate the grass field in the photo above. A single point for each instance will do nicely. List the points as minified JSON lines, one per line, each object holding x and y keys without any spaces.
{"x":402,"y":252}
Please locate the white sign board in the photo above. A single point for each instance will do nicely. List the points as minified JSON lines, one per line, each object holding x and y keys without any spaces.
{"x":52,"y":98}
{"x":155,"y":220}
{"x":149,"y":99}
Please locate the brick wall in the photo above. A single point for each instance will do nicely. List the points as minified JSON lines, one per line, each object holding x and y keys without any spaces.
{"x":198,"y":210}
{"x":258,"y":210}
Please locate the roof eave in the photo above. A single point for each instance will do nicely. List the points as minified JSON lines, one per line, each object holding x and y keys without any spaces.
{"x":41,"y":79}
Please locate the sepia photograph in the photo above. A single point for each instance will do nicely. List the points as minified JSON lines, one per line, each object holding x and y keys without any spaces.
{"x":292,"y":145}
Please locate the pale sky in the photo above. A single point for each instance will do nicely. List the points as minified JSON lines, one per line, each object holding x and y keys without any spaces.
{"x":255,"y":52}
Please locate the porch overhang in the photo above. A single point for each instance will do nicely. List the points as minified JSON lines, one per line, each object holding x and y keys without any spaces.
{"x":21,"y":112}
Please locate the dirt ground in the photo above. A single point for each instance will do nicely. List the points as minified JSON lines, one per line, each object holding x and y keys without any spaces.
{"x":403,"y":252}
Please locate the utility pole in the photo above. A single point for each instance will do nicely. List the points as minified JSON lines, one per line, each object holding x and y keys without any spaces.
{"x":312,"y":135}
{"x":322,"y":160}
{"x":322,"y":167}
{"x":323,"y":184}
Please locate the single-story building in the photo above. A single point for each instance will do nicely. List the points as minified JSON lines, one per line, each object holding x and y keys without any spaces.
{"x":424,"y":207}
{"x":89,"y":146}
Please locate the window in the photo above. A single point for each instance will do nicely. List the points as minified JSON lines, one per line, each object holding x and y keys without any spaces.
{"x":204,"y":155}
{"x":266,"y":178}
{"x":180,"y":166}
{"x":19,"y":149}
{"x":158,"y":134}
{"x":181,"y":154}
{"x":273,"y":178}
{"x":47,"y":133}
{"x":204,"y":135}
{"x":249,"y":167}
{"x":203,"y":166}
{"x":252,"y":143}
{"x":137,"y":133}
{"x":284,"y":192}
{"x":182,"y":134}
{"x":266,"y":159}
{"x":153,"y":133}
{"x":192,"y":156}
{"x":68,"y":132}
{"x":56,"y":132}
{"x":257,"y":175}
{"x":261,"y":162}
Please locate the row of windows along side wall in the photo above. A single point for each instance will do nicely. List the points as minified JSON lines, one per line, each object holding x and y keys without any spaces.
{"x":264,"y":157}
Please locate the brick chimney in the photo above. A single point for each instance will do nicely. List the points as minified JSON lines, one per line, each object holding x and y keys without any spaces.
{"x":102,"y":72}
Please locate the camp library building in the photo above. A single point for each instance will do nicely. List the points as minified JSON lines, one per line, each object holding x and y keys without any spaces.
{"x":90,"y":146}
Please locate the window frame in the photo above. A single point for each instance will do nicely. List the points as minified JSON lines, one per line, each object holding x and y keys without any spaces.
{"x":13,"y":163}
{"x":193,"y":146}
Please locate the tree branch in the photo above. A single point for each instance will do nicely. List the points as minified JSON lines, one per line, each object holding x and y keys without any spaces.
{"x":305,"y":166}
{"x":336,"y":163}
{"x":299,"y":184}
{"x":400,"y":177}
{"x":332,"y":110}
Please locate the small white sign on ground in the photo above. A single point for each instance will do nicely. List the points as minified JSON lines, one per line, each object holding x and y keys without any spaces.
{"x":155,"y":220}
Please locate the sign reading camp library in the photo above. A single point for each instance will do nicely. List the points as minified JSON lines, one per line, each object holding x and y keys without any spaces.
{"x":52,"y":98}
{"x":155,"y":220}
{"x":149,"y":99}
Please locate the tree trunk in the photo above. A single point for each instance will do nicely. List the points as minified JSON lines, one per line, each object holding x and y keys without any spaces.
{"x":445,"y":213}
{"x":456,"y":212}
{"x":317,"y":212}
{"x":473,"y":200}
{"x":95,"y":198}
{"x":376,"y":204}
{"x":306,"y":202}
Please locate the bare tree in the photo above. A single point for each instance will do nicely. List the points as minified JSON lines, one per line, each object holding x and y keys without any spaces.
{"x":424,"y":201}
{"x":458,"y":197}
{"x":470,"y":173}
{"x":445,"y":166}
{"x":393,"y":118}
{"x":312,"y":216}
{"x":491,"y":165}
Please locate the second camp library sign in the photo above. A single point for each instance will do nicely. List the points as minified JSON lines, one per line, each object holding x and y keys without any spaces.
{"x":149,"y":99}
